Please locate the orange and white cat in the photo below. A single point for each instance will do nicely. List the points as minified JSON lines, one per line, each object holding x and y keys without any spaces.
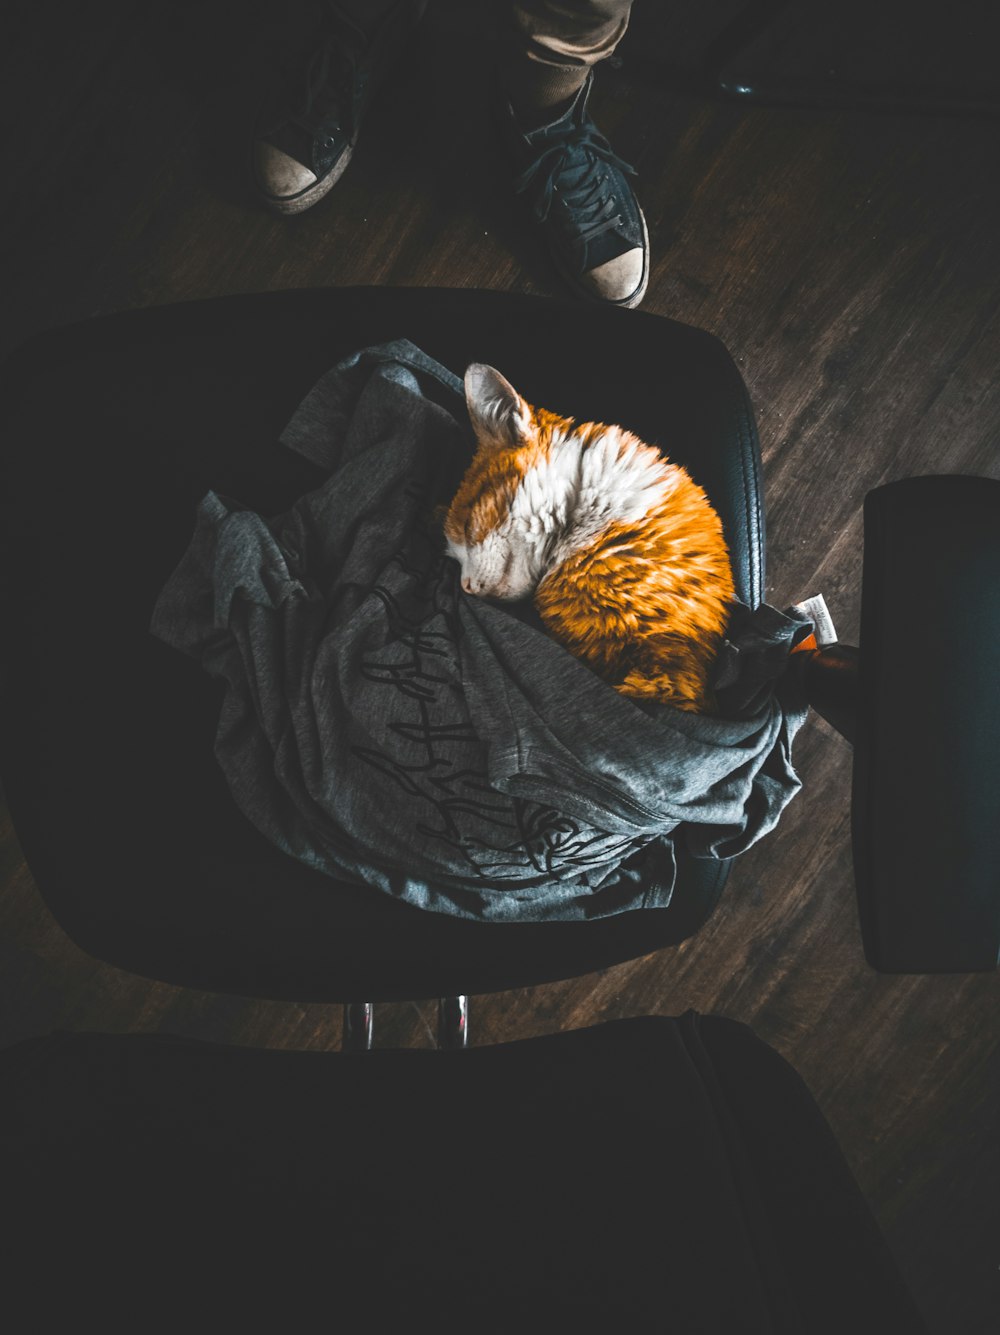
{"x":623,"y":552}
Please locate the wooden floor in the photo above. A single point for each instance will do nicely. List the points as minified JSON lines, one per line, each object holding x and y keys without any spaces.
{"x":849,"y":261}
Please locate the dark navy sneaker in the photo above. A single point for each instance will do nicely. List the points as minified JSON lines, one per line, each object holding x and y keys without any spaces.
{"x":306,"y":132}
{"x":578,"y":192}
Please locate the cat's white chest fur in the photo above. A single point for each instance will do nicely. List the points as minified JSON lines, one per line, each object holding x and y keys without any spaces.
{"x":569,"y":495}
{"x":562,"y":504}
{"x":581,"y":490}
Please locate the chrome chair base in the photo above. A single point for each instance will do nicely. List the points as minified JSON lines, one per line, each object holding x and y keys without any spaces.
{"x":452,"y":1027}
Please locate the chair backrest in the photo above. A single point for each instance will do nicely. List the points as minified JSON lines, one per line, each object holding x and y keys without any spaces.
{"x":595,"y":1180}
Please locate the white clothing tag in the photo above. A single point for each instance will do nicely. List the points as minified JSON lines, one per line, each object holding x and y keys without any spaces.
{"x":818,"y":613}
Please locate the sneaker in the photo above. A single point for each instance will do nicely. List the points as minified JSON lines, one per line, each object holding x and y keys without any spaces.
{"x":577,"y":190}
{"x":306,"y":133}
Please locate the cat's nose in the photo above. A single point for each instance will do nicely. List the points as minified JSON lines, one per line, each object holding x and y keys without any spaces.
{"x":467,"y":583}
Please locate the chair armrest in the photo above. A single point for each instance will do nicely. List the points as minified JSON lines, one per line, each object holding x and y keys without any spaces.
{"x":926,"y":786}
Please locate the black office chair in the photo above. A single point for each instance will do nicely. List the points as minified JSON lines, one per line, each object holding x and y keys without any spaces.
{"x":115,"y":429}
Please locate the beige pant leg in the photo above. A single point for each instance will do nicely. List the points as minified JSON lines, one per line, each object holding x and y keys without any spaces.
{"x":548,"y":47}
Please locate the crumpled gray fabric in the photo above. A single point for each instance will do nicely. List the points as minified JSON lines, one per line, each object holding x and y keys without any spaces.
{"x":383,"y":726}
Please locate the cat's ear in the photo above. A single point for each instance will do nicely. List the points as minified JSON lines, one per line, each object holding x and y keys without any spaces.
{"x":499,"y":415}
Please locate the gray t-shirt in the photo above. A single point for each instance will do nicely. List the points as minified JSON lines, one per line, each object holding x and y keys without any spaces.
{"x":383,"y":726}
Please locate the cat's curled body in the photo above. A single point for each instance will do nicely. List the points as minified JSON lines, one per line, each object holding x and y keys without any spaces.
{"x":623,"y":552}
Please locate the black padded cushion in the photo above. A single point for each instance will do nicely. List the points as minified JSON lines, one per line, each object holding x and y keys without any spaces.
{"x":114,"y":430}
{"x":926,"y":788}
{"x":648,"y":1175}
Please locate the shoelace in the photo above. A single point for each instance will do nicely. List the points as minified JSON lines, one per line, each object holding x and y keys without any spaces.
{"x":570,"y":167}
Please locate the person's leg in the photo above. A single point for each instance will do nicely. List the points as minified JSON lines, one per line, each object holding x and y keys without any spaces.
{"x":306,"y":132}
{"x":549,"y":46}
{"x":577,"y":189}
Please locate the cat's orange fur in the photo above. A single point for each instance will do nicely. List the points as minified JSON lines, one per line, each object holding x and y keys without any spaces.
{"x":644,"y":599}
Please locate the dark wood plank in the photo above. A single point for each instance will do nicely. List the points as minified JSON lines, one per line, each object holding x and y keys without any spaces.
{"x":849,"y":262}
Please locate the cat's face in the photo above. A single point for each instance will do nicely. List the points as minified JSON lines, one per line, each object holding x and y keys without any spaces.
{"x":502,"y":546}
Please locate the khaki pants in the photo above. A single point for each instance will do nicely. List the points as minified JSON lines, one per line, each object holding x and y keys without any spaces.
{"x":545,"y":47}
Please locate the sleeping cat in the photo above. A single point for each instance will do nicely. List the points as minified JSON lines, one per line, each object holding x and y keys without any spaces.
{"x":622,"y":550}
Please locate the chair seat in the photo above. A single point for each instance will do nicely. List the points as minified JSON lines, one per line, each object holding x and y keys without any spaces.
{"x":118,"y":426}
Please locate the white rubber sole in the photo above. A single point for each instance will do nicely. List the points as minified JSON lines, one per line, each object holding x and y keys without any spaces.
{"x":305,"y":199}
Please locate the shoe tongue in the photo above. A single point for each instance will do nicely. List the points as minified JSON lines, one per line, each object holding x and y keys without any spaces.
{"x":567,"y":113}
{"x":531,"y":122}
